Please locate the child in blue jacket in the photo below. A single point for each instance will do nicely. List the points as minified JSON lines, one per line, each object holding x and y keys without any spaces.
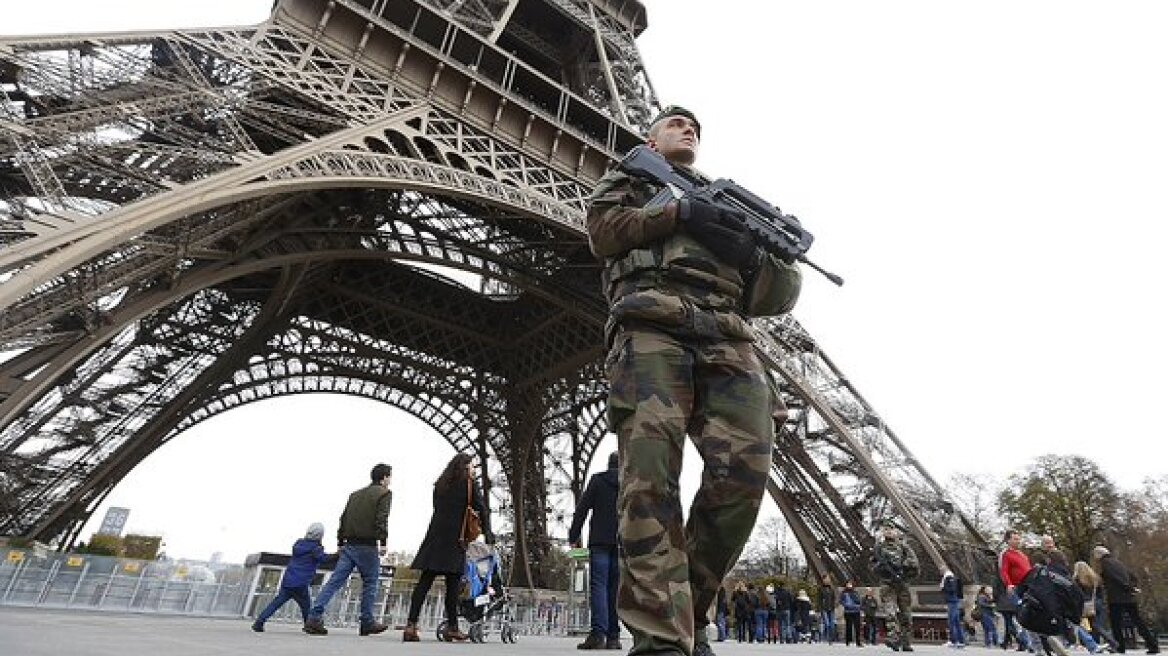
{"x":307,"y":555}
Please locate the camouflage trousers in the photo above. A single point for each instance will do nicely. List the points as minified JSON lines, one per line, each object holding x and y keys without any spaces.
{"x":662,"y":388}
{"x":898,"y":604}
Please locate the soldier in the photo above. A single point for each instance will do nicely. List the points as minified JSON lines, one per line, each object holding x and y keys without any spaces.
{"x":681,"y":280}
{"x":896,"y":564}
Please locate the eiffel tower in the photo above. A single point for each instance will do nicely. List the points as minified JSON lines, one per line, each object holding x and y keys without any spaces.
{"x":381,"y":198}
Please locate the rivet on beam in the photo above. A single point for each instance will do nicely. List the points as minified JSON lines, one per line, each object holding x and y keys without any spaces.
{"x":466,"y":99}
{"x":527,"y":130}
{"x":498,"y":112}
{"x":555,"y":144}
{"x":364,"y":40}
{"x":324,"y":18}
{"x":434,"y":80}
{"x":401,"y":59}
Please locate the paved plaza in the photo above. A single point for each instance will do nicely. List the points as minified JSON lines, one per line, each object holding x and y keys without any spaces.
{"x":40,"y":632}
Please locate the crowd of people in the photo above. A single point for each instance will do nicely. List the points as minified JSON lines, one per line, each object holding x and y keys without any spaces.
{"x":1106,"y":622}
{"x":776,"y":614}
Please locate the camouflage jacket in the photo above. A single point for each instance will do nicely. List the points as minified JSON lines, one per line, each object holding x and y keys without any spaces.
{"x":894,"y":561}
{"x":659,"y":275}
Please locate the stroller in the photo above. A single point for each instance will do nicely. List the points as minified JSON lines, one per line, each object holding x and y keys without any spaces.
{"x":485,"y":595}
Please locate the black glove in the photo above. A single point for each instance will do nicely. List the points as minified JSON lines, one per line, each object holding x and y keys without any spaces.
{"x":723,"y":231}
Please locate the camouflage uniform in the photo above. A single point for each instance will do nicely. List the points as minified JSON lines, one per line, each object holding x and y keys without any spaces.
{"x":896,"y":564}
{"x":681,"y":360}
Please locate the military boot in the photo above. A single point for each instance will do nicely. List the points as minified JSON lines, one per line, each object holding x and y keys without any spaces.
{"x":703,"y":649}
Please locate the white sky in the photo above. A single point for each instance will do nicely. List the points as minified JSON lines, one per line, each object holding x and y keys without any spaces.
{"x":989,"y":177}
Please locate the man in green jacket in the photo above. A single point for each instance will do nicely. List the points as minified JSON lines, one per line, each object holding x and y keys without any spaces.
{"x":361,"y":538}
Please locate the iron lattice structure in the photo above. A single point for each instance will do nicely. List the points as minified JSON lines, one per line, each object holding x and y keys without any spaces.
{"x":381,"y":198}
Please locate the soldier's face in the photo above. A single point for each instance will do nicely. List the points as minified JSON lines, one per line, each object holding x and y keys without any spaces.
{"x":676,"y":139}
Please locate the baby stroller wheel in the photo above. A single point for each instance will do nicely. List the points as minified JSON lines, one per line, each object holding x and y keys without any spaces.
{"x":442,"y":631}
{"x":476,"y":632}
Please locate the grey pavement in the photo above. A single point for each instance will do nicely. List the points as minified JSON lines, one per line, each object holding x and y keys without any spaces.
{"x":42,"y":632}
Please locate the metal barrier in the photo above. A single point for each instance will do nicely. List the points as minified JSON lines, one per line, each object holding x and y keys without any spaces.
{"x":28,"y":578}
{"x":34,"y":577}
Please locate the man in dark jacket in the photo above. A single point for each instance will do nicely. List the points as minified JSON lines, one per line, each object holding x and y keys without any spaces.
{"x":826,"y":603}
{"x":599,"y":498}
{"x":1120,"y":586}
{"x":307,"y":555}
{"x":361,"y":537}
{"x":784,"y":605}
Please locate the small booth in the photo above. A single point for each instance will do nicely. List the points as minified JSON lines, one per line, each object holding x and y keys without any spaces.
{"x":578,"y":620}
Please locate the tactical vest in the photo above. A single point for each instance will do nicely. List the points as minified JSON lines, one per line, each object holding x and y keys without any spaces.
{"x":676,"y":285}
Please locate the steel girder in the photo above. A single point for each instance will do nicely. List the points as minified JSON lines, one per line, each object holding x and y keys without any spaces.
{"x":365,"y":198}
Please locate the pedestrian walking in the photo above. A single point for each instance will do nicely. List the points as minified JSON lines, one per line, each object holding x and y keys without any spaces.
{"x":307,"y":555}
{"x":361,"y":536}
{"x":599,"y":500}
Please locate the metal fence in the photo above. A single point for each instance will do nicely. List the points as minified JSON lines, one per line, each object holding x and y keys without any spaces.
{"x":30,"y":577}
{"x":101,"y":582}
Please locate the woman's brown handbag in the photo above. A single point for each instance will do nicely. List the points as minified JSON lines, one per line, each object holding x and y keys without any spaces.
{"x":472,"y":525}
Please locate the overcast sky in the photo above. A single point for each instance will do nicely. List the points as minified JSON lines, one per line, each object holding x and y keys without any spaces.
{"x":989,"y":177}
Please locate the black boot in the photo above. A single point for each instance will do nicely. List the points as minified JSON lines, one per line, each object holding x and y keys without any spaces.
{"x":702,"y":649}
{"x":313,"y":626}
{"x":593,"y":641}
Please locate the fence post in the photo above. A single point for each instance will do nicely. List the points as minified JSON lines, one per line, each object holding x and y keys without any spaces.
{"x":108,"y":584}
{"x":48,"y":582}
{"x":15,"y":577}
{"x":137,"y":586}
{"x":80,"y":579}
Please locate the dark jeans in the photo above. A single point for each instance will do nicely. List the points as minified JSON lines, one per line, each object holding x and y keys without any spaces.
{"x":742,"y":625}
{"x":603,"y":579}
{"x":362,"y":558}
{"x":1010,"y":630}
{"x":760,"y":622}
{"x":300,"y":595}
{"x":956,"y":630}
{"x":1116,"y":612}
{"x":828,"y":621}
{"x":870,"y":629}
{"x":989,"y":628}
{"x":423,"y":588}
{"x":852,"y":628}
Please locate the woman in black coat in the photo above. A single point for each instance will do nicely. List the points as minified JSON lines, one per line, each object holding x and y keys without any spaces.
{"x":442,"y":551}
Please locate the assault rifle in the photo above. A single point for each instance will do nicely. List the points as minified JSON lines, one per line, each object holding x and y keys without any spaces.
{"x":777,"y":233}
